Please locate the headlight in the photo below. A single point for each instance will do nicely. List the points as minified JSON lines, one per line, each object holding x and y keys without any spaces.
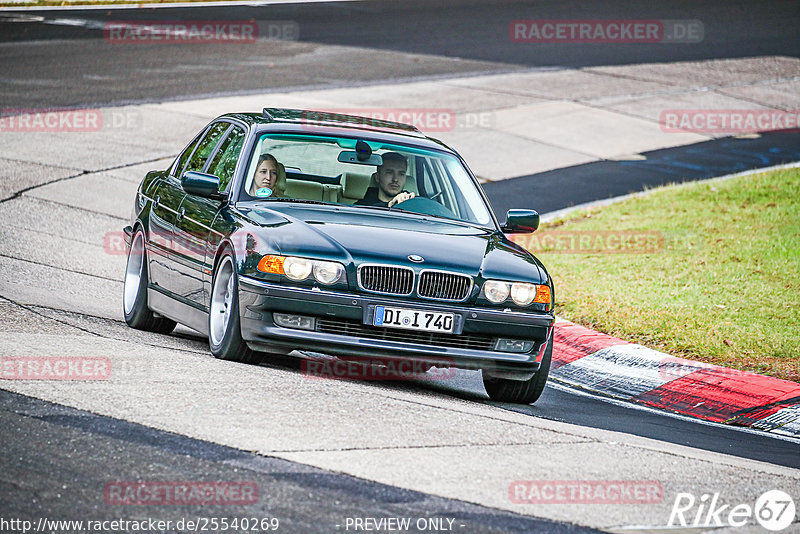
{"x":496,"y":291}
{"x":327,"y":272}
{"x":523,"y":294}
{"x":297,"y":268}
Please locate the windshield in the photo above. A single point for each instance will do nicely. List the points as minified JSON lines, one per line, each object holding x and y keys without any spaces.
{"x":369,"y":174}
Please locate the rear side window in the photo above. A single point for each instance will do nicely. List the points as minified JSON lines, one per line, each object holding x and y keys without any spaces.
{"x":224,"y":162}
{"x":206,"y":146}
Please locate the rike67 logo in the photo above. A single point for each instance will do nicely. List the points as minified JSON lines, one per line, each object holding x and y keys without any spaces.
{"x":774,"y":510}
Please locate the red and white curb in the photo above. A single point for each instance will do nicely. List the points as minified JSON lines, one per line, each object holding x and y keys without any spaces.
{"x":610,"y":366}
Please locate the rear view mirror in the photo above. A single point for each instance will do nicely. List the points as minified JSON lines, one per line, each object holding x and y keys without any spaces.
{"x":351,"y":156}
{"x":521,"y":221}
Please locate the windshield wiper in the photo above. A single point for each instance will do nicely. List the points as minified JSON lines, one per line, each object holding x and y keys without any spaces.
{"x":299,"y":201}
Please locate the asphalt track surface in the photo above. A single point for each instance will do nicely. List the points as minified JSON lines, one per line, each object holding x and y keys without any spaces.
{"x":81,"y":449}
{"x":303,"y":498}
{"x":92,"y":71}
{"x":570,"y":186}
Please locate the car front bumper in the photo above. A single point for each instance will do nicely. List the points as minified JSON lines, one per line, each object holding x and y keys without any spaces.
{"x":353,"y":335}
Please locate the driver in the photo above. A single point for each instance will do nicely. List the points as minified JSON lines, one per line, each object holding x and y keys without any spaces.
{"x":391,"y":179}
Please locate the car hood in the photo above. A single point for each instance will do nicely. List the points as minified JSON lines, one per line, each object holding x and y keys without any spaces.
{"x":354,"y":235}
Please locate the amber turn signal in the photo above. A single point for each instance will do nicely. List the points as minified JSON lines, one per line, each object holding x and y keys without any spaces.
{"x":542,"y":294}
{"x":271,"y":264}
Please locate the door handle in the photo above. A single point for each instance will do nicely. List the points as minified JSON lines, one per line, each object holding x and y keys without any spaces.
{"x":156,"y":201}
{"x":180,"y":214}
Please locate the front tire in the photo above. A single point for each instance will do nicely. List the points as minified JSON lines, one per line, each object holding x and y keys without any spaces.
{"x":134,"y":294}
{"x":224,"y":325}
{"x":521,"y":391}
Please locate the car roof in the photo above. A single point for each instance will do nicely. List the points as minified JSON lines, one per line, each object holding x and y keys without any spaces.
{"x":338,"y":124}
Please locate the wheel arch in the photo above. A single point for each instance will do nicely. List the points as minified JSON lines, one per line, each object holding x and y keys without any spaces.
{"x":222,"y":248}
{"x":139,"y":225}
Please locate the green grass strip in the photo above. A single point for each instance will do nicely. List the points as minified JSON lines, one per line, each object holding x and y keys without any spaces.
{"x":708,"y":271}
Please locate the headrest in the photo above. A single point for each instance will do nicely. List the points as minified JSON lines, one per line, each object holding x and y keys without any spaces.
{"x":354,"y":185}
{"x":304,"y":189}
{"x":280,"y":183}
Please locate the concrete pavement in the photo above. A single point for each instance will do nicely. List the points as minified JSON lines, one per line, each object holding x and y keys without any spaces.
{"x":522,"y":123}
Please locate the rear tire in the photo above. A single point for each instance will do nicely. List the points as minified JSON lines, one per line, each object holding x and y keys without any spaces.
{"x":521,"y":391}
{"x":134,"y":294}
{"x":224,"y":325}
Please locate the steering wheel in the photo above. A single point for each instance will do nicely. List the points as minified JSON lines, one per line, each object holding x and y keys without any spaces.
{"x":425,"y":206}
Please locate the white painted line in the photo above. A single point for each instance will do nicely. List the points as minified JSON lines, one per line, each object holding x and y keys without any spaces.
{"x":554,"y":382}
{"x":621,"y":371}
{"x":171,"y":5}
{"x":643,"y":529}
{"x":788,"y":418}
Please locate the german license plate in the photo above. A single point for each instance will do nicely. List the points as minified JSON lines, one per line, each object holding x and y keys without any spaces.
{"x":413,"y":319}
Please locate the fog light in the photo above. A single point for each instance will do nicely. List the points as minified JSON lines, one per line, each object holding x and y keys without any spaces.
{"x":513,"y":345}
{"x":301,"y":322}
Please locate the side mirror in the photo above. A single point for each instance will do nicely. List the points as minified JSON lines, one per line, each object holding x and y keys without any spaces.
{"x":202,"y":185}
{"x":521,"y":222}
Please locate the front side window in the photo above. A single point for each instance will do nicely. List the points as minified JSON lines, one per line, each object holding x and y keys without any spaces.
{"x":368,"y":174}
{"x":206,"y":146}
{"x":224,"y":163}
{"x":181,"y":160}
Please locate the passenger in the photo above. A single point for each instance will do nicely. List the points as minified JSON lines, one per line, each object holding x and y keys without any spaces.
{"x":391,"y":179}
{"x":269,"y":179}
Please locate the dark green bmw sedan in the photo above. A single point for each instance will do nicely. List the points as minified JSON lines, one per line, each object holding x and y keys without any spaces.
{"x":337,"y":234}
